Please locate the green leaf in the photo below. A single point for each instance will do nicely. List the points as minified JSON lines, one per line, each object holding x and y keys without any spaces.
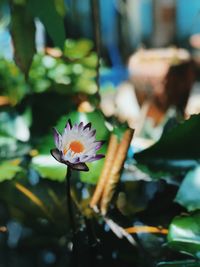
{"x":12,"y":81}
{"x":48,"y":167}
{"x":183,"y":263}
{"x":95,"y":117}
{"x":189,"y":191}
{"x":13,"y":125}
{"x":9,"y":169}
{"x":29,"y":203}
{"x":45,"y":164}
{"x":176,"y":150}
{"x":77,"y":49}
{"x":14,"y":135}
{"x":60,"y":7}
{"x":92,"y":176}
{"x":46,"y":11}
{"x":184,"y":234}
{"x":89,"y":61}
{"x":11,"y":148}
{"x":119,"y":130}
{"x":23,"y":35}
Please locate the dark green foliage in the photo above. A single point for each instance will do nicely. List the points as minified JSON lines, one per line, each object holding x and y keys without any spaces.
{"x":184,"y":234}
{"x":53,"y":21}
{"x":23,"y":36}
{"x":189,"y":191}
{"x":178,"y":149}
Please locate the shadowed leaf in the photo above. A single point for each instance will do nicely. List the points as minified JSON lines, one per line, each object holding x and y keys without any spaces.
{"x":23,"y":36}
{"x":189,"y":191}
{"x":33,"y":198}
{"x":46,"y":11}
{"x":9,"y":169}
{"x":184,"y":234}
{"x":176,"y":150}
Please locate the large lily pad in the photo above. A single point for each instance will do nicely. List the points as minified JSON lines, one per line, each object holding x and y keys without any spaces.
{"x":14,"y":126}
{"x":9,"y":169}
{"x":48,"y":167}
{"x":176,"y":150}
{"x":184,"y":263}
{"x":14,"y":133}
{"x":184,"y":234}
{"x":189,"y":192}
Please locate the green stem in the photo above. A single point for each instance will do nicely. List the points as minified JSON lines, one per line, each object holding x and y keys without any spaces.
{"x":75,"y":261}
{"x":97,"y":39}
{"x":69,"y":200}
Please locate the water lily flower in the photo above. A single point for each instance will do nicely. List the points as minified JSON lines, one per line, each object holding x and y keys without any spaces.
{"x":76,"y":146}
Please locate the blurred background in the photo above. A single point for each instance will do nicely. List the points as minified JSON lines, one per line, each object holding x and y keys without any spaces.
{"x":115,"y":63}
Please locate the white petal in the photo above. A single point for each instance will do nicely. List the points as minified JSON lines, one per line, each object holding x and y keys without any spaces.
{"x":67,"y":156}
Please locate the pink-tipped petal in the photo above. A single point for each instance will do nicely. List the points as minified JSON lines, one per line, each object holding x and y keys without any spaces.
{"x":87,"y":126}
{"x":97,"y":157}
{"x":92,"y":133}
{"x":68,"y":125}
{"x":57,"y":138}
{"x":75,"y":127}
{"x":84,"y":158}
{"x":99,"y":144}
{"x":80,"y":126}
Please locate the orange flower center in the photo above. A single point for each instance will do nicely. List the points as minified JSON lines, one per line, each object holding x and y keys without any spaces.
{"x":76,"y":146}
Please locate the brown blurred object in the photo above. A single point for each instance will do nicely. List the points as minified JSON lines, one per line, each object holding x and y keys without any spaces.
{"x":195,"y":41}
{"x":195,"y":44}
{"x":104,"y":176}
{"x":54,"y":52}
{"x":3,"y":229}
{"x":110,"y":175}
{"x":164,"y":19}
{"x":193,"y":104}
{"x":115,"y":171}
{"x":163,"y":78}
{"x":4,"y":101}
{"x":178,"y":84}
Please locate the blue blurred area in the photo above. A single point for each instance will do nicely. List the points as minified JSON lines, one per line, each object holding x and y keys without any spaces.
{"x":114,"y":75}
{"x":79,"y":12}
{"x":110,"y":39}
{"x":187,"y":23}
{"x":146,"y":16}
{"x":5,"y":38}
{"x":109,"y":36}
{"x":187,"y":18}
{"x":5,"y":41}
{"x":109,"y":27}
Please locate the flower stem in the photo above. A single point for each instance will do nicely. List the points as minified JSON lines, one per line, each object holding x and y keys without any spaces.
{"x":74,"y":259}
{"x":69,"y":200}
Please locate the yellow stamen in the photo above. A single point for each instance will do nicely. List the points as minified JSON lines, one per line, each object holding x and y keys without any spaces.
{"x":65,"y":151}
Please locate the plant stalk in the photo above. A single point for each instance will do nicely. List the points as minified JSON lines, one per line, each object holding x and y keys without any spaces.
{"x":69,"y":200}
